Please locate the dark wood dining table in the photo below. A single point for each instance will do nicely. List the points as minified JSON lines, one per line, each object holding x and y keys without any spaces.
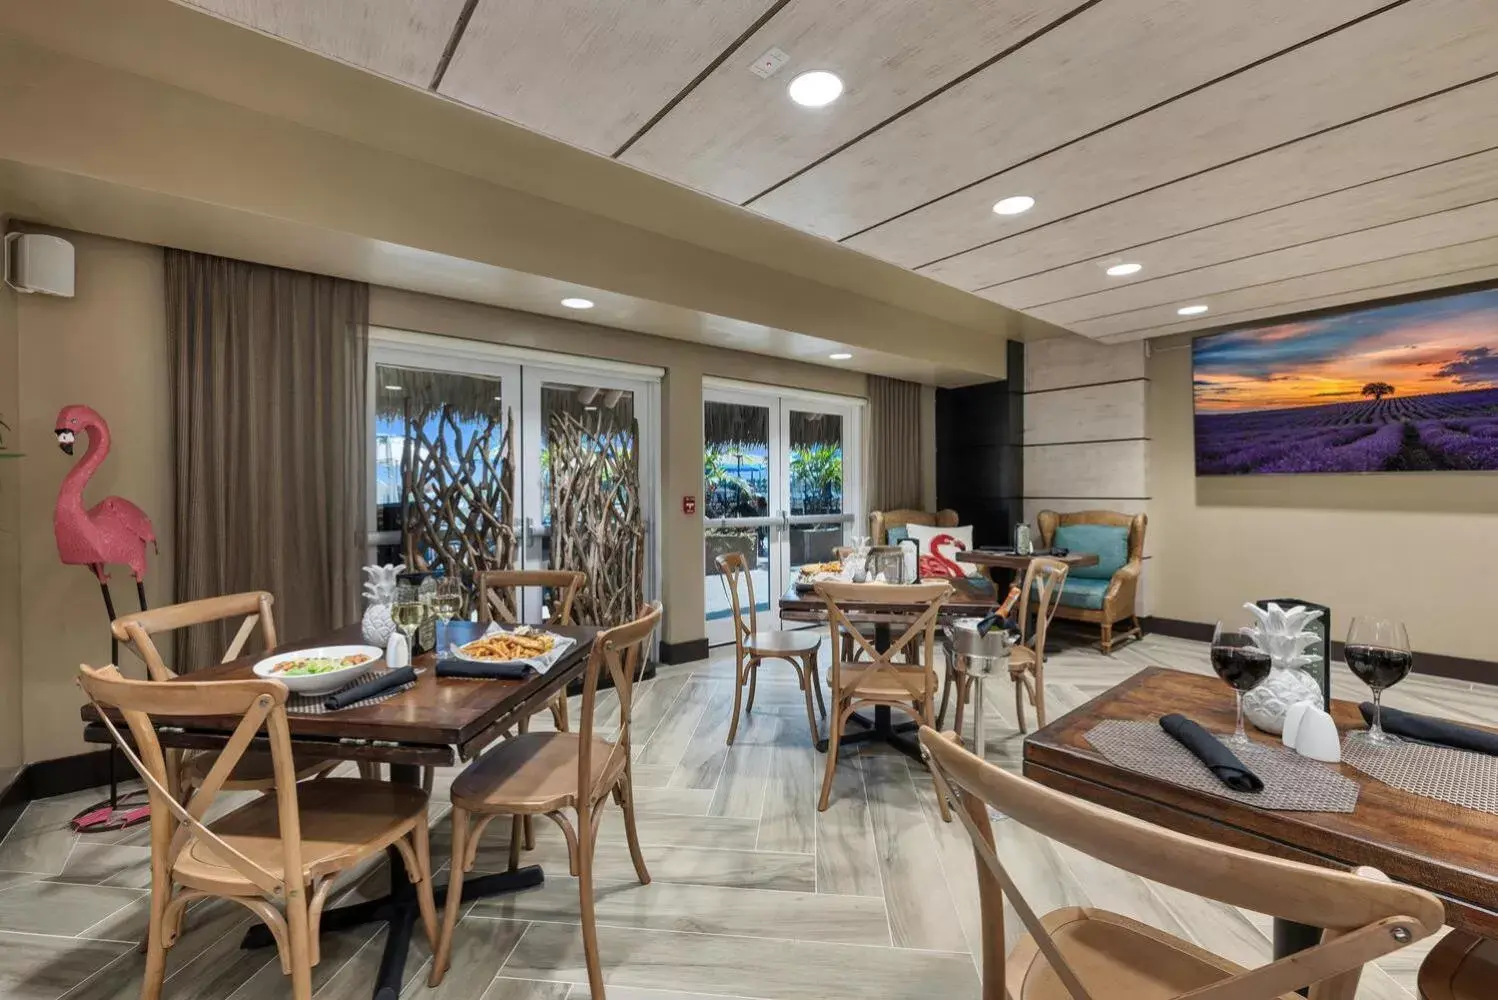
{"x":971,"y":598}
{"x":1422,"y":842}
{"x":436,"y":722}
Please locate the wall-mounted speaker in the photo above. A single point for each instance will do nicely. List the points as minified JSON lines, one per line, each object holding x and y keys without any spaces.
{"x":36,"y":262}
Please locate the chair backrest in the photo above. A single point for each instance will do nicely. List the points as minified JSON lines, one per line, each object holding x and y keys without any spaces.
{"x":136,"y":629}
{"x":917,"y":641}
{"x":1041,"y":593}
{"x":620,"y":652}
{"x":1049,"y":520}
{"x":732,"y":568}
{"x":259,"y":704}
{"x":1363,"y":915}
{"x":880,"y":521}
{"x":498,"y":593}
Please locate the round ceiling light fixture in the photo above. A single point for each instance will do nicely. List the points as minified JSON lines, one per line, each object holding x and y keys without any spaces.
{"x":575,"y":303}
{"x":1195,"y":310}
{"x":816,"y":89}
{"x":840,"y":356}
{"x":1124,"y":270}
{"x":1013,"y":205}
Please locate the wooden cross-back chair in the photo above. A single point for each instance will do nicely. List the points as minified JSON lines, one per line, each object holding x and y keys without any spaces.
{"x":751,"y":646}
{"x":909,"y":685}
{"x":1084,"y":953}
{"x":497,"y":593}
{"x":279,"y":854}
{"x":137,"y":631}
{"x":1039,"y":598}
{"x":549,"y":774}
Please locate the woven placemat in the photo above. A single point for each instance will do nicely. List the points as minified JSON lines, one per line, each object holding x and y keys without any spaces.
{"x":1459,"y":777}
{"x":312,"y":704}
{"x":1291,"y":782}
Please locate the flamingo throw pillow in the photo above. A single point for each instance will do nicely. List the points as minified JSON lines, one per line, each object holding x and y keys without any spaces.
{"x":939,"y":548}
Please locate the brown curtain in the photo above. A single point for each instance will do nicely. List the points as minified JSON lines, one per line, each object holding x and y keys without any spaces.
{"x":268,"y":400}
{"x":894,"y":443}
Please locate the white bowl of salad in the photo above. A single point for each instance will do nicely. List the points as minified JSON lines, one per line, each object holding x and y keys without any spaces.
{"x":321,"y":669}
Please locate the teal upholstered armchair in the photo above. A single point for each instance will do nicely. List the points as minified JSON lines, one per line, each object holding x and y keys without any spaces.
{"x":1104,"y":593}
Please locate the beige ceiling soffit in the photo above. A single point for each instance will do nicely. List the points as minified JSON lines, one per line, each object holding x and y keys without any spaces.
{"x":198,"y":52}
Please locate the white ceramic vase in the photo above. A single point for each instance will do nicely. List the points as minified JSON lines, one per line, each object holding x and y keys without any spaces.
{"x":379,"y":591}
{"x":378,"y":625}
{"x":1265,"y":706}
{"x":1282,"y":634}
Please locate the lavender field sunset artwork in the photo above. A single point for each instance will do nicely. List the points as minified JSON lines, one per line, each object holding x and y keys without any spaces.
{"x":1410,"y":387}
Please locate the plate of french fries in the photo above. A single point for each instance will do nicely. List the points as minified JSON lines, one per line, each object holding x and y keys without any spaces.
{"x":516,"y":644}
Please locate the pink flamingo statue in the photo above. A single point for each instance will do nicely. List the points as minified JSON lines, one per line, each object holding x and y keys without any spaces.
{"x":112,"y":531}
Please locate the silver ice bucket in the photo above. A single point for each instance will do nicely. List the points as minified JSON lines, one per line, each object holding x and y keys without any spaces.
{"x":985,"y":654}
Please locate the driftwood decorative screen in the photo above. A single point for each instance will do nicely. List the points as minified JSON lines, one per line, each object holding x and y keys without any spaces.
{"x":459,"y":489}
{"x":596,"y":522}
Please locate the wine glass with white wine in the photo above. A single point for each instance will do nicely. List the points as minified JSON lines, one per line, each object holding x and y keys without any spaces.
{"x":408,"y":613}
{"x":446,"y":603}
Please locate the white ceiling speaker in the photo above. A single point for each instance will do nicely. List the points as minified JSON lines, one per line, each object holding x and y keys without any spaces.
{"x":35,"y":262}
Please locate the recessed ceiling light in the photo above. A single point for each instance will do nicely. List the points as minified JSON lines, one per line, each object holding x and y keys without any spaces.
{"x":393,"y":388}
{"x":816,"y":89}
{"x":840,"y":356}
{"x":578,"y":303}
{"x":590,"y":409}
{"x":1124,"y":270}
{"x":1191,"y":310}
{"x":1013,"y":205}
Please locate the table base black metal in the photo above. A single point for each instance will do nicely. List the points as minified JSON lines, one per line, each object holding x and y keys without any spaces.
{"x":1291,"y":937}
{"x":399,"y":911}
{"x":882,"y":727}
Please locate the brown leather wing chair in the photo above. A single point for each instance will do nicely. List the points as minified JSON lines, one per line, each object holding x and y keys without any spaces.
{"x":1103,"y":593}
{"x":880,"y":521}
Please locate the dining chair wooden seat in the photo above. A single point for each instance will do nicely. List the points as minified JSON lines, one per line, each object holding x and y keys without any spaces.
{"x":554,"y":775}
{"x":255,"y":770}
{"x":1040,"y":596}
{"x":901,"y":676}
{"x":1087,"y":953}
{"x":1462,"y":966}
{"x":751,"y":647}
{"x":278,"y":855}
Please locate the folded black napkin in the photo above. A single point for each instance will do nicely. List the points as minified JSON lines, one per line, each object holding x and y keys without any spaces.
{"x":1210,"y":751}
{"x":378,"y":685}
{"x":455,"y":667}
{"x":1437,"y":732}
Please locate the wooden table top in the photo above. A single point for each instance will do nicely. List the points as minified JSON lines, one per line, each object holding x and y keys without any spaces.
{"x":1419,"y":841}
{"x":972,"y":598}
{"x":435,"y":712}
{"x":1013,"y":560}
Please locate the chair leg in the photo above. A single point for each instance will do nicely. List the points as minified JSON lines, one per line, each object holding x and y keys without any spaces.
{"x":738,"y":691}
{"x":753,"y":667}
{"x":585,"y":909}
{"x":426,"y":899}
{"x":517,"y":837}
{"x":443,"y":952}
{"x":816,"y":684}
{"x":809,"y":681}
{"x":369,"y":770}
{"x":1038,"y":697}
{"x":946,"y":694}
{"x":834,"y":736}
{"x":627,"y":803}
{"x":961,"y":688}
{"x":1107,"y":638}
{"x":299,"y":939}
{"x":156,"y":941}
{"x":559,"y":712}
{"x":1019,"y":703}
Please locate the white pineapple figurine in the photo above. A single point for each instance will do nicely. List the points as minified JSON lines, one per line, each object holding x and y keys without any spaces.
{"x":1282,"y":634}
{"x":379,"y":591}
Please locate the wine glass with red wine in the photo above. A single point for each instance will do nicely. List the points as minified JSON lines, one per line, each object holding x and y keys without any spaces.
{"x":1243,"y":665}
{"x":1378,"y":653}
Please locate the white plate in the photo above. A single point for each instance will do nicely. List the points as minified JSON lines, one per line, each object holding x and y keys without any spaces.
{"x":320,"y":683}
{"x":542,"y":663}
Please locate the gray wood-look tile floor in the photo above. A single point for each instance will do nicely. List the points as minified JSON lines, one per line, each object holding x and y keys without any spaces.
{"x":755,"y":893}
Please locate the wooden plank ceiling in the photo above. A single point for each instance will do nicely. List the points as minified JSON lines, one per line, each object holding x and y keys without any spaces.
{"x":1260,"y":158}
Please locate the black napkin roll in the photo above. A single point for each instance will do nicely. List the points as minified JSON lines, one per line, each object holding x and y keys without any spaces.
{"x":379,"y":684}
{"x":455,"y":667}
{"x":1210,"y":751}
{"x":1437,"y":732}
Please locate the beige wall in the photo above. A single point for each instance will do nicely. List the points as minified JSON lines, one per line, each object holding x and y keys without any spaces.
{"x":105,"y":348}
{"x":1411,"y":546}
{"x":11,"y":747}
{"x":681,"y":405}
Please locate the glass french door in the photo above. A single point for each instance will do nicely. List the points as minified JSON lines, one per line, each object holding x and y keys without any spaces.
{"x":781,"y":485}
{"x":486,"y":458}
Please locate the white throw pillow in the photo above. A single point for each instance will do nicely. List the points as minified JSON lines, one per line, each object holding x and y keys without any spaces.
{"x":953,"y":541}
